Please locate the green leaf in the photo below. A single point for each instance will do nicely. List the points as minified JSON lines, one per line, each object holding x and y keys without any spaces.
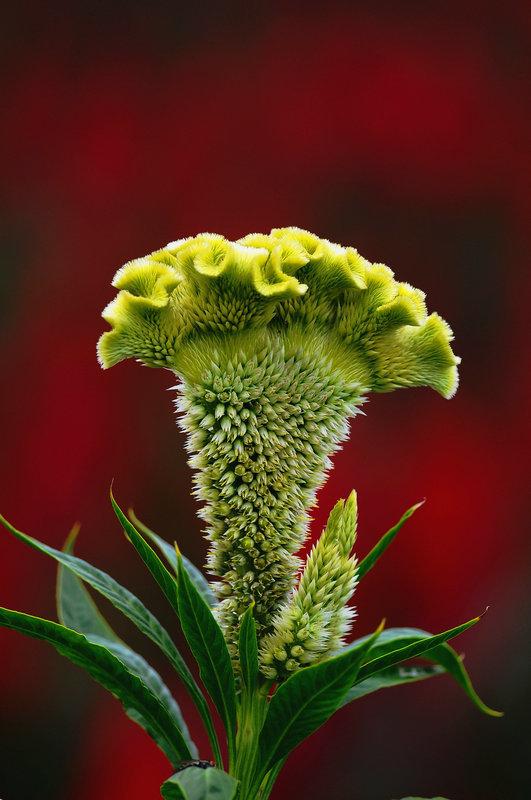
{"x":77,"y":610}
{"x":394,"y":655}
{"x":306,"y":701}
{"x":161,"y":574}
{"x":138,"y":701}
{"x":371,"y":558}
{"x":196,"y":783}
{"x":168,"y":584}
{"x":75,"y":607}
{"x":249,"y":650}
{"x":134,"y":610}
{"x":392,"y":676}
{"x":207,"y":643}
{"x":168,"y":551}
{"x":393,"y":640}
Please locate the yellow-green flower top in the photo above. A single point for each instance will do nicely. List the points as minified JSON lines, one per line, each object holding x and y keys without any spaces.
{"x":204,"y":294}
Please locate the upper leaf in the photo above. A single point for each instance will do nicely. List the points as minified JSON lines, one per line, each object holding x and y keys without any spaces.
{"x":381,"y":546}
{"x":196,"y":576}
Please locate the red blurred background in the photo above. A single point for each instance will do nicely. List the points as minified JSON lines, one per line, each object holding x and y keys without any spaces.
{"x":402,"y":129}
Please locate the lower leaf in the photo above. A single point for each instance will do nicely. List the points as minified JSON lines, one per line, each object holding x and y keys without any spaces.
{"x":306,"y":701}
{"x":393,"y":676}
{"x":109,"y":671}
{"x":77,"y":610}
{"x":198,"y":783}
{"x":396,"y":639}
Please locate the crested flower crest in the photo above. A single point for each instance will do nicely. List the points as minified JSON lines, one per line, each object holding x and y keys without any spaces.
{"x":208,"y":292}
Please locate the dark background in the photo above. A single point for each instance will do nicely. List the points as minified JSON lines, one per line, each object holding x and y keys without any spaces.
{"x":402,"y":129}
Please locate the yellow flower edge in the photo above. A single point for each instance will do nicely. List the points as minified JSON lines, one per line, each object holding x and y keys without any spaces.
{"x":206,"y":293}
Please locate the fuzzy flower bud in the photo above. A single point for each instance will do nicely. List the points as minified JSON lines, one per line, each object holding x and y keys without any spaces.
{"x":318,"y":608}
{"x":276,"y":339}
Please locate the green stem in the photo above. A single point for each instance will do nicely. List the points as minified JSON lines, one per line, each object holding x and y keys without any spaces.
{"x":253,"y":707}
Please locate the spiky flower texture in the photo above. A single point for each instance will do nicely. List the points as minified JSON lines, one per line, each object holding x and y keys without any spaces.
{"x":276,"y":340}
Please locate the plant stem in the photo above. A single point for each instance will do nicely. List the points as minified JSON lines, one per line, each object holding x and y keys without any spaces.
{"x":252,"y":711}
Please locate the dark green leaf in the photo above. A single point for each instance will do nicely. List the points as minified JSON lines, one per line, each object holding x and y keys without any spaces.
{"x":248,"y":650}
{"x":134,"y":610}
{"x":397,"y":655}
{"x":371,"y":558}
{"x":394,"y":639}
{"x":75,"y":607}
{"x":168,"y":551}
{"x":138,"y":666}
{"x":392,"y":676}
{"x":306,"y":701}
{"x":77,"y":610}
{"x":161,"y":574}
{"x":137,"y":700}
{"x":168,"y":584}
{"x":207,"y":643}
{"x":195,"y":783}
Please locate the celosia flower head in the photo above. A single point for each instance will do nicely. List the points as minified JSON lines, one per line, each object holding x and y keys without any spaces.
{"x":288,"y":283}
{"x":276,"y":339}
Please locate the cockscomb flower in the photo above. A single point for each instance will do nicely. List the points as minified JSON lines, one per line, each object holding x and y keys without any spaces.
{"x":276,"y":339}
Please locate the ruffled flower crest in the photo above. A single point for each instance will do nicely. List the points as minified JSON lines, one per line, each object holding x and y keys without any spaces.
{"x":288,"y":283}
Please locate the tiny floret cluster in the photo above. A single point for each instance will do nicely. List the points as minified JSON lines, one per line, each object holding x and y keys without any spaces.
{"x":276,"y":340}
{"x":312,"y":624}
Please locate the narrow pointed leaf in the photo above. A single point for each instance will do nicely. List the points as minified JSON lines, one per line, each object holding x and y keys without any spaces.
{"x":248,"y":650}
{"x":75,"y":607}
{"x":159,"y":571}
{"x":138,"y":701}
{"x":138,"y":666}
{"x":392,"y":676}
{"x":306,"y":701}
{"x":394,"y":639}
{"x":168,"y":551}
{"x":134,"y":610}
{"x":379,"y":549}
{"x":195,"y":783}
{"x":77,"y":610}
{"x":207,"y":643}
{"x":168,"y":584}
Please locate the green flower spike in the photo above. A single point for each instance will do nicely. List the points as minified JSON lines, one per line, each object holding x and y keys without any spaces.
{"x":313,"y":623}
{"x":276,"y":340}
